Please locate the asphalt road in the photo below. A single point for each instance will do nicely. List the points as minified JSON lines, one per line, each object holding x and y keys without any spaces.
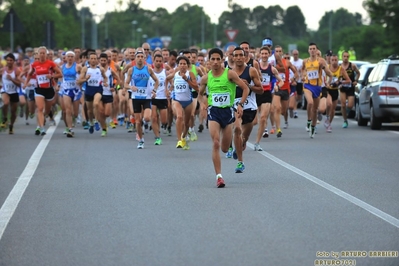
{"x":100,"y":201}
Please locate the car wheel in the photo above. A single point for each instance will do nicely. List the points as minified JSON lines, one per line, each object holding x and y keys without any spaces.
{"x":375,"y":123}
{"x":360,"y":120}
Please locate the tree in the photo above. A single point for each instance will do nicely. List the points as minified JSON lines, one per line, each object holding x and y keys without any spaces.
{"x":386,"y":14}
{"x":294,"y":22}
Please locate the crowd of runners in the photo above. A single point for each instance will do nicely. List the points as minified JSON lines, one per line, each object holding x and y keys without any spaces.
{"x":183,"y":92}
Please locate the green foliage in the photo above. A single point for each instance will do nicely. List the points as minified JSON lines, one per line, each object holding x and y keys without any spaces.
{"x":186,"y":23}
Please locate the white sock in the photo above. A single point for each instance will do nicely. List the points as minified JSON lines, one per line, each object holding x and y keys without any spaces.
{"x":218,"y":176}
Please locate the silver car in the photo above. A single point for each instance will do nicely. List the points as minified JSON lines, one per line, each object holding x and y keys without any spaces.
{"x":379,"y":98}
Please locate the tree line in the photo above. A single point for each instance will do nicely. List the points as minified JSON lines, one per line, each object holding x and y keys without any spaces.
{"x":188,"y":25}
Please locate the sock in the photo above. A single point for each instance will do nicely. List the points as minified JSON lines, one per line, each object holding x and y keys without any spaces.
{"x":313,"y":127}
{"x":218,"y":176}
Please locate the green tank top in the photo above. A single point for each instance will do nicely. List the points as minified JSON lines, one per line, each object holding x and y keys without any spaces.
{"x":221,"y":90}
{"x":194,"y":70}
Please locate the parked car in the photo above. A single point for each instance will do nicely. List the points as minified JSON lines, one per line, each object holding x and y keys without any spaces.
{"x":379,"y":98}
{"x":352,"y":112}
{"x":365,"y":71}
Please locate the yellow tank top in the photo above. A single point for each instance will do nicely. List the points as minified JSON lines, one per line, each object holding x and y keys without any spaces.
{"x":313,"y":73}
{"x":336,"y":76}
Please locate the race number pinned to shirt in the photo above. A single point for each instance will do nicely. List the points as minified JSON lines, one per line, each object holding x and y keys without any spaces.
{"x":94,"y":82}
{"x":70,"y":84}
{"x":313,"y":74}
{"x":42,"y":79}
{"x":220,"y":99}
{"x":265,"y":79}
{"x":181,"y":86}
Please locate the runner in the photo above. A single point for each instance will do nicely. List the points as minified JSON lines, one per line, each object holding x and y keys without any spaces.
{"x":184,"y":81}
{"x":137,"y":80}
{"x":108,"y":90}
{"x":71,"y":92}
{"x":160,"y":102}
{"x":264,"y":100}
{"x":221,"y":83}
{"x":9,"y":91}
{"x":46,"y":71}
{"x":94,"y":77}
{"x":312,"y":75}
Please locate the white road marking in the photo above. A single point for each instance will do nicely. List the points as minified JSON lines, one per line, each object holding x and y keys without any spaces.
{"x":373,"y":210}
{"x":13,"y":199}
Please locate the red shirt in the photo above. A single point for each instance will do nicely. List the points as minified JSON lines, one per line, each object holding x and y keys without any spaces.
{"x":41,"y":71}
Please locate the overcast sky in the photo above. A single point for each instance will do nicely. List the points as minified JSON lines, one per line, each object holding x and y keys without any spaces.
{"x":214,"y":8}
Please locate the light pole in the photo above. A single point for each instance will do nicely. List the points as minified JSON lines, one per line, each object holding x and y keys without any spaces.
{"x":82,"y":16}
{"x":139,"y":30}
{"x":202,"y":28}
{"x":134,"y":23}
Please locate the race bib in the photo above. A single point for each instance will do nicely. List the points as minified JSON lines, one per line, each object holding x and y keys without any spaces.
{"x":93,"y":82}
{"x":282,"y":76}
{"x":181,"y":88}
{"x":70,"y":84}
{"x":220,"y":99}
{"x":334,"y":79}
{"x":265,"y":79}
{"x":314,"y":74}
{"x":142,"y":92}
{"x":42,"y":79}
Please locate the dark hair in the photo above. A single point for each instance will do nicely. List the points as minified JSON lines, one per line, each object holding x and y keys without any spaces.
{"x":173,"y":53}
{"x":91,"y":53}
{"x":10,"y":55}
{"x":215,"y":51}
{"x":238,"y":48}
{"x":244,"y":42}
{"x":114,"y":51}
{"x":312,"y":43}
{"x":182,"y":52}
{"x":157,"y":55}
{"x":182,"y":57}
{"x":266,"y":48}
{"x":104,"y":55}
{"x":194,"y":51}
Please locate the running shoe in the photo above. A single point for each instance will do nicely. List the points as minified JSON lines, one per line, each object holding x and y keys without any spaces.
{"x":10,"y":130}
{"x":66,"y":131}
{"x":85,"y":125}
{"x":326,"y":123}
{"x":265,"y":133}
{"x":103,"y":133}
{"x":235,"y":157}
{"x":286,"y":125}
{"x":169,"y":131}
{"x":97,"y":126}
{"x":319,"y":116}
{"x":179,"y":145}
{"x":158,"y":141}
{"x":295,"y":114}
{"x":272,"y":130}
{"x":308,"y":126}
{"x":200,"y":128}
{"x":229,"y":153}
{"x":37,"y":131}
{"x":257,"y":147}
{"x":91,"y":129}
{"x":240,"y":168}
{"x":112,"y":124}
{"x":329,"y":129}
{"x":140,"y":145}
{"x":184,"y":143}
{"x":220,"y":182}
{"x":120,"y":121}
{"x":70,"y":133}
{"x":312,"y":132}
{"x":279,"y":133}
{"x":130,"y":129}
{"x":164,"y":130}
{"x":42,"y":132}
{"x":345,"y":124}
{"x":193,"y":136}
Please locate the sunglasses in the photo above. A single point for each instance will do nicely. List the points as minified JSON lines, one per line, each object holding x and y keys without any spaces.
{"x":146,"y":49}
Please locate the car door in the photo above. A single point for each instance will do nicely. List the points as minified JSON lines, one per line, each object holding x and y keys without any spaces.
{"x":365,"y":93}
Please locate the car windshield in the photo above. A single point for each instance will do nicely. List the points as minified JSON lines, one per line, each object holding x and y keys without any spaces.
{"x":393,"y":73}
